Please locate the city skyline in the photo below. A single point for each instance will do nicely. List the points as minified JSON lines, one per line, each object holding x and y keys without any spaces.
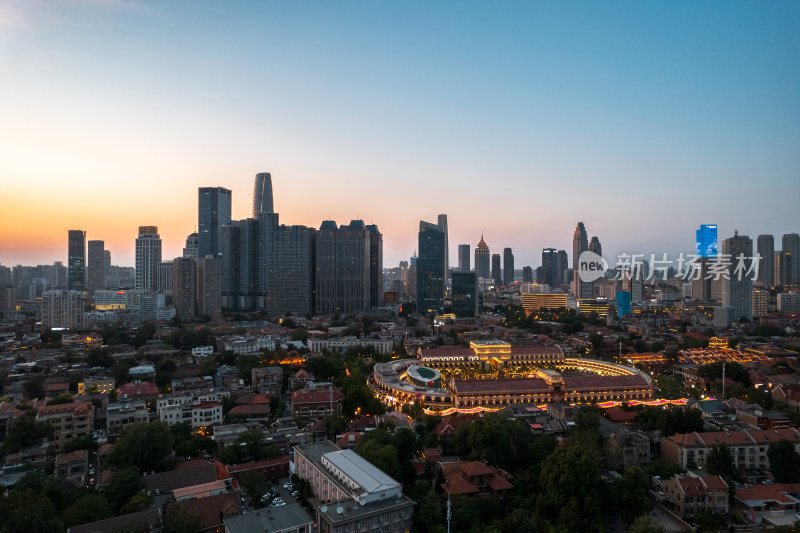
{"x":517,"y":121}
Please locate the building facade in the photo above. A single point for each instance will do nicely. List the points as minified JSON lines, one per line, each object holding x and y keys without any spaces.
{"x":431,"y":267}
{"x":214,"y":211}
{"x":95,"y":278}
{"x":148,"y":255}
{"x":76,"y":259}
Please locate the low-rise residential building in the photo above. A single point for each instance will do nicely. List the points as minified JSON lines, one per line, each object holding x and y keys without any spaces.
{"x":69,"y":421}
{"x":292,"y":518}
{"x":72,"y":466}
{"x":199,"y":408}
{"x":94,"y":386}
{"x":244,"y":345}
{"x":748,"y":447}
{"x":774,"y":503}
{"x":687,"y":493}
{"x":120,"y":415}
{"x":268,"y":380}
{"x":474,"y":478}
{"x":316,"y":402}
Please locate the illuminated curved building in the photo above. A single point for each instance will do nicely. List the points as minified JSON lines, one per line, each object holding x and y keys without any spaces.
{"x":409,"y":380}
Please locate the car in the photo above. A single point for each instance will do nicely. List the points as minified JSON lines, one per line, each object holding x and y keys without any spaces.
{"x":285,"y":485}
{"x":295,"y":493}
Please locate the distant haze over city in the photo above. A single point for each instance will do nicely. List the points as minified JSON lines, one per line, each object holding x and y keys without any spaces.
{"x":518,"y":120}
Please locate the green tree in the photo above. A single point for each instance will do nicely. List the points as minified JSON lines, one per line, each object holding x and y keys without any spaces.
{"x":784,"y":461}
{"x":256,"y":485}
{"x":25,"y":432}
{"x":664,"y":468}
{"x":122,"y":486}
{"x":630,"y":493}
{"x":335,"y":425}
{"x":719,"y":461}
{"x":180,"y":518}
{"x":86,"y":442}
{"x":383,"y":456}
{"x":138,"y":502}
{"x":26,"y":512}
{"x":33,"y":388}
{"x":144,"y":446}
{"x":646,"y":524}
{"x":88,"y":509}
{"x":573,"y":491}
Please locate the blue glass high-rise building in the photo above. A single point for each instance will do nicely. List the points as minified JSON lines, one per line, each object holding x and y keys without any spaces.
{"x":431,"y":267}
{"x":706,"y":240}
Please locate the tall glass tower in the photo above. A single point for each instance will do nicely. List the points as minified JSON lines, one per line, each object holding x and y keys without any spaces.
{"x":431,"y":268}
{"x":76,"y":260}
{"x":214,"y":211}
{"x":262,"y":194}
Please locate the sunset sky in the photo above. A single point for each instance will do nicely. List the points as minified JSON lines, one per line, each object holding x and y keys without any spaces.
{"x":517,"y":119}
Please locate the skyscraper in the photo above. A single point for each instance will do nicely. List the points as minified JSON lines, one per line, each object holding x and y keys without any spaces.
{"x":375,"y":266}
{"x":527,"y":274}
{"x":580,"y":244}
{"x":76,"y":259}
{"x":343,"y":267}
{"x":550,"y":267}
{"x":208,"y":296}
{"x":706,"y":240}
{"x":192,"y":246}
{"x":431,"y":267}
{"x":442,"y":221}
{"x":562,"y":268}
{"x":465,"y":294}
{"x":482,"y":259}
{"x":96,"y":264}
{"x":791,"y":244}
{"x":765,"y":247}
{"x":497,"y":272}
{"x":243,"y":267}
{"x":463,"y":257}
{"x":214,"y":211}
{"x":737,"y":290}
{"x":183,"y":287}
{"x":290,"y":267}
{"x":262,"y":194}
{"x":508,"y":267}
{"x":148,"y":255}
{"x":595,"y":246}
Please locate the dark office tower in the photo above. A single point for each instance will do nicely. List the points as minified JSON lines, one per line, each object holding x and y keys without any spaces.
{"x":737,"y":291}
{"x":550,"y":267}
{"x":442,"y":220}
{"x":96,"y":253}
{"x":241,"y":271}
{"x":76,"y":260}
{"x":208,"y":296}
{"x":192,"y":245}
{"x":431,"y":268}
{"x":595,"y":246}
{"x":508,"y":267}
{"x":497,"y":272}
{"x":465,"y":294}
{"x":262,"y":195}
{"x":148,"y":255}
{"x":706,"y":240}
{"x":214,"y":211}
{"x":343,"y":268}
{"x":183,"y":287}
{"x":290,"y":269}
{"x":482,"y":260}
{"x":563,"y":268}
{"x":765,"y":247}
{"x":580,"y":244}
{"x":463,"y":257}
{"x":527,"y":274}
{"x":375,"y":266}
{"x":106,"y":261}
{"x":791,"y":244}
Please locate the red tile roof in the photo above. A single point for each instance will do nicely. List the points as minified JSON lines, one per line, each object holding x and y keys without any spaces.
{"x":132,"y":390}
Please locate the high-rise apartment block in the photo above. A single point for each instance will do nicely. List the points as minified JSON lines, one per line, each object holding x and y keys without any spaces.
{"x":148,"y":255}
{"x":214,"y":211}
{"x":765,"y":247}
{"x":343,"y":267}
{"x":290,"y":268}
{"x":497,"y":272}
{"x":737,"y":289}
{"x":76,"y":260}
{"x":791,"y":251}
{"x":465,"y":294}
{"x":550,"y":267}
{"x":183,"y":288}
{"x":192,"y":246}
{"x":208,"y":286}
